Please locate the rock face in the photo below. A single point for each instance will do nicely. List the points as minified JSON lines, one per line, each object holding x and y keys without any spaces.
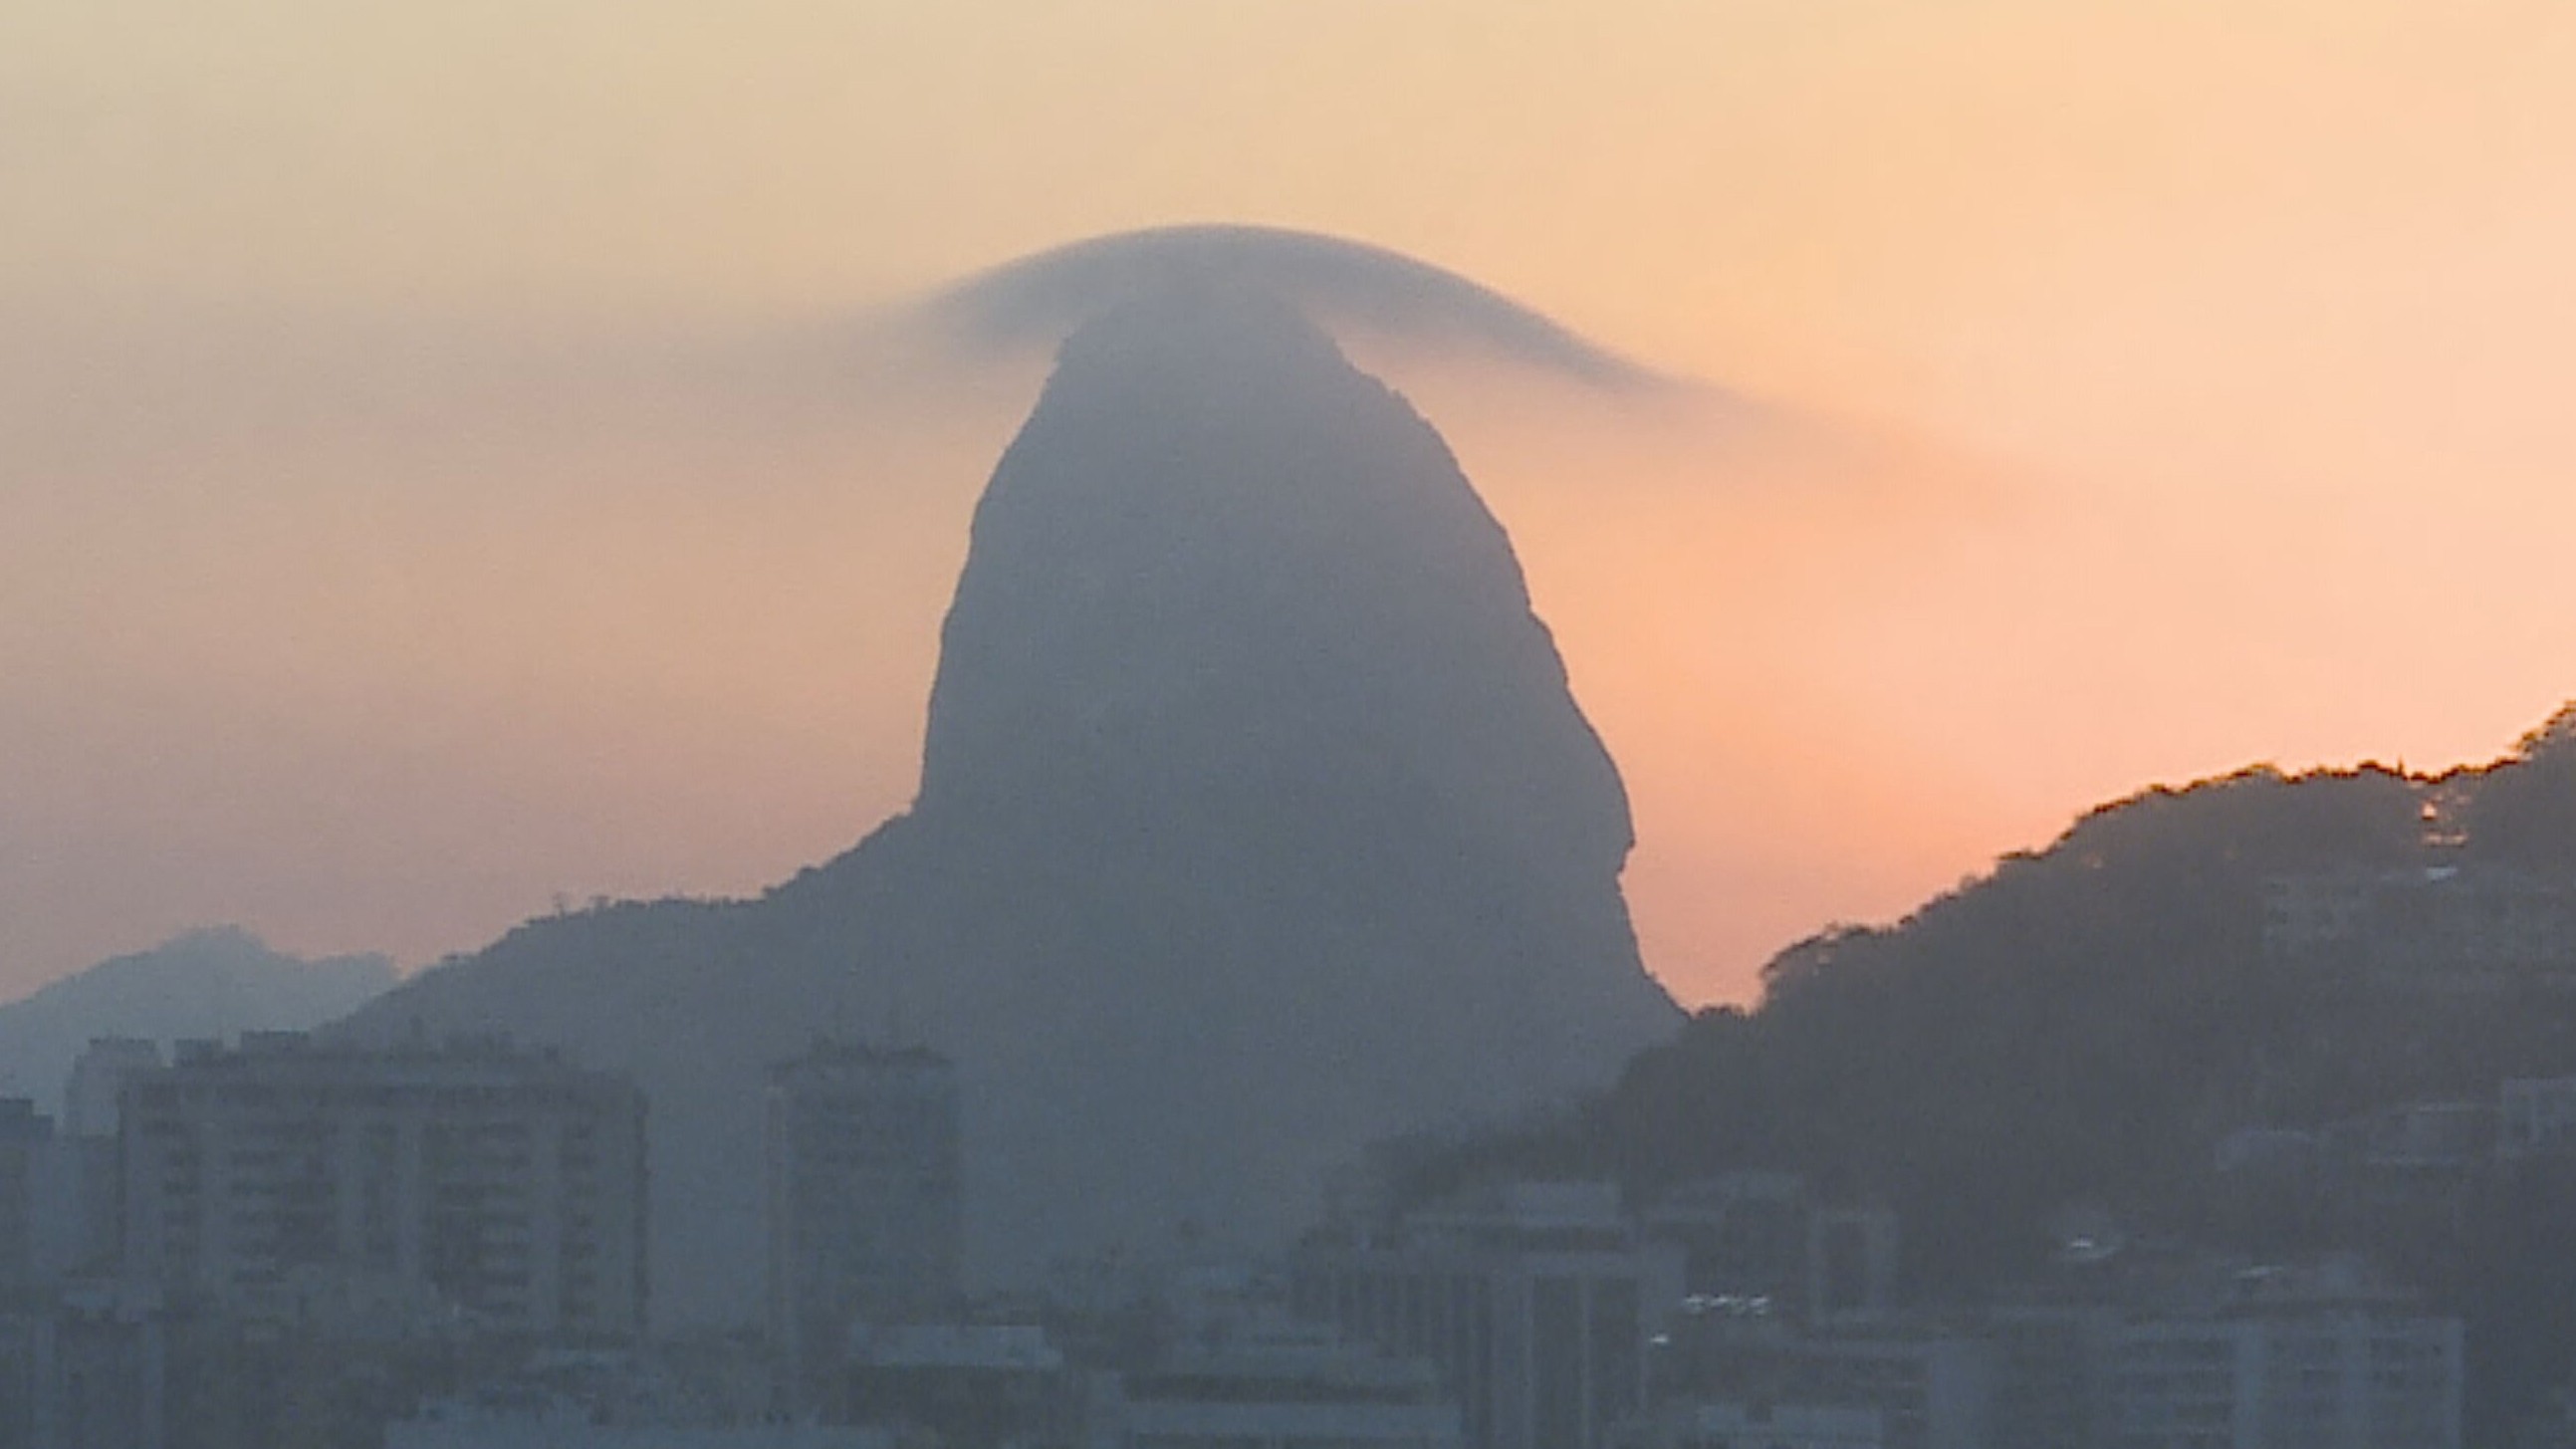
{"x":1256,"y":822}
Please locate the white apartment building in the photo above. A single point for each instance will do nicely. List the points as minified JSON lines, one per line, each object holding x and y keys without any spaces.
{"x":488,"y":1187}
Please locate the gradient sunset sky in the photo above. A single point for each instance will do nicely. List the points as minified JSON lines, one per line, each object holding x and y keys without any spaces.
{"x":407,"y":517}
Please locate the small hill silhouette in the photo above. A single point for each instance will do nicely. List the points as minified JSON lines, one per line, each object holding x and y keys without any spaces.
{"x":216,"y":982}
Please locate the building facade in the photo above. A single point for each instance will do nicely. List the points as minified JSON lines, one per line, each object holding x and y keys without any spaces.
{"x":962,"y":1386}
{"x":83,"y":1369}
{"x":1925,"y":1383}
{"x":1535,"y":1300}
{"x":2536,"y":1117}
{"x":499,"y":1189}
{"x":1272,"y":1385}
{"x":27,"y":1151}
{"x":865,"y":1200}
{"x":2448,"y":929}
{"x":97,"y":1077}
{"x":2318,"y":1356}
{"x":2317,"y":1377}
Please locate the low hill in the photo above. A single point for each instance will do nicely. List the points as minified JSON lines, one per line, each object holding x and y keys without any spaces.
{"x":209,"y":983}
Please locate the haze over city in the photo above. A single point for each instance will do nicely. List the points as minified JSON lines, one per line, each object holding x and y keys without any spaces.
{"x":452,"y":461}
{"x":1292,"y":724}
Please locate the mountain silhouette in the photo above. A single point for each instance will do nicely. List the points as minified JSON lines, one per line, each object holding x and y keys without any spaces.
{"x":215,"y":982}
{"x":1256,"y":822}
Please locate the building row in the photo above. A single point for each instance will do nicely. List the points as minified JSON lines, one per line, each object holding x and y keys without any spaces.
{"x":2247,"y":1358}
{"x":373,"y":1201}
{"x":1741,"y":1313}
{"x":463,"y":1190}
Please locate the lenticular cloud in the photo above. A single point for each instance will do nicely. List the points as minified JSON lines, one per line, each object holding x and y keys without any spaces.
{"x":1034,"y":302}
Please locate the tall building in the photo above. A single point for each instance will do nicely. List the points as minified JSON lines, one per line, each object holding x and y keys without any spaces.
{"x":87,"y":1147}
{"x":26,"y":1160}
{"x":1536,"y":1301}
{"x":864,"y":1199}
{"x":472,"y":1181}
{"x":57,"y":1215}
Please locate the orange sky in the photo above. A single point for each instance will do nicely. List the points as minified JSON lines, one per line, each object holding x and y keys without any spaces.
{"x":376,"y":564}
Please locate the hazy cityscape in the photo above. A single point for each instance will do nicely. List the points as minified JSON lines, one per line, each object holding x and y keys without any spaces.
{"x":1287,"y":725}
{"x":290,"y":1239}
{"x":1160,"y":1143}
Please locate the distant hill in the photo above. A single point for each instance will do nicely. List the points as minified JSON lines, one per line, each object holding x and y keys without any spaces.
{"x":215,"y":982}
{"x":1256,"y":821}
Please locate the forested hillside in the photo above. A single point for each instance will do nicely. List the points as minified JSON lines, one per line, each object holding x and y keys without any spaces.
{"x":2082,"y":1025}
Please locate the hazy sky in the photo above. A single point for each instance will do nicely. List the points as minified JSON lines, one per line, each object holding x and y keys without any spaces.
{"x":405,"y":517}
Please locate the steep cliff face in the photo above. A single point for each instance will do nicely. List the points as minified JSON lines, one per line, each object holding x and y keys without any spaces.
{"x":1217,"y":543}
{"x":1256,"y":821}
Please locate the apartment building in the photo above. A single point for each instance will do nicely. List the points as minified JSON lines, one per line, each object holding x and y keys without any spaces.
{"x":468,"y":1183}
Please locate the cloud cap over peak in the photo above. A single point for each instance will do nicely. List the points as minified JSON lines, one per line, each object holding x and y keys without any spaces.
{"x":1039,"y":299}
